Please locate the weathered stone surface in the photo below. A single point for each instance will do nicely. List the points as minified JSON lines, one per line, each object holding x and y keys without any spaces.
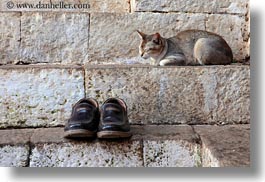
{"x":113,"y":38}
{"x":56,"y":134}
{"x":235,"y":30}
{"x":103,"y":154}
{"x":170,"y":153}
{"x":54,"y":37}
{"x":162,"y":146}
{"x":48,"y":135}
{"x":115,"y":6}
{"x":68,"y":5}
{"x":208,"y":95}
{"x":247,"y":36}
{"x":14,"y":156}
{"x":192,"y":6}
{"x":224,"y":146}
{"x":165,"y":132}
{"x":170,"y":146}
{"x":15,"y":136}
{"x":9,"y":37}
{"x":38,"y":97}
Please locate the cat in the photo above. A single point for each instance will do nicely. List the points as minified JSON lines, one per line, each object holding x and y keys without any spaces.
{"x":189,"y":47}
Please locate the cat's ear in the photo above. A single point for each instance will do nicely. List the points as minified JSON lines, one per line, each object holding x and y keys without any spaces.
{"x":141,"y":34}
{"x":156,"y":38}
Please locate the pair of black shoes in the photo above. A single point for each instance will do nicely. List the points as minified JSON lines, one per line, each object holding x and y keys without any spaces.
{"x":87,"y":120}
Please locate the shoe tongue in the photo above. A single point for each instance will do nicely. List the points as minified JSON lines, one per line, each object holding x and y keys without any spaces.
{"x":112,"y":107}
{"x":84,"y":107}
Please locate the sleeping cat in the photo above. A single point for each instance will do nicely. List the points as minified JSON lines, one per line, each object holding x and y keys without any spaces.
{"x":190,"y":47}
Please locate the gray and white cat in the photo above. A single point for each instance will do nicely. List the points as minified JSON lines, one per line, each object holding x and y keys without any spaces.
{"x":190,"y":47}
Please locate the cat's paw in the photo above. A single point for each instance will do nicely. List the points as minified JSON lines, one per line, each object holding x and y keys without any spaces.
{"x":171,"y":62}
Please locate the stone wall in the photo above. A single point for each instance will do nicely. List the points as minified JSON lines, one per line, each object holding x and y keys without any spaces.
{"x":41,"y":96}
{"x":150,"y":146}
{"x":185,"y":116}
{"x":105,"y":32}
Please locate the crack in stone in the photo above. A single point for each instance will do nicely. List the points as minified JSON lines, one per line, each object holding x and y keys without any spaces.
{"x":198,"y":140}
{"x":30,"y":147}
{"x":188,"y":12}
{"x":84,"y":81}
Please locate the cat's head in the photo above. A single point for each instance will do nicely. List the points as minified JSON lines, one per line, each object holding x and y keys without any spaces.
{"x":151,"y":45}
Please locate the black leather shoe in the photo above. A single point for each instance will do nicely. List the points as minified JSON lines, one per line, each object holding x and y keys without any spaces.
{"x":114,"y":120}
{"x":84,"y":119}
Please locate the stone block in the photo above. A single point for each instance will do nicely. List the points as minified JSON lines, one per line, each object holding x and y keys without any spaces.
{"x":9,"y":37}
{"x":175,"y":95}
{"x":113,"y":6}
{"x":170,"y":146}
{"x":54,"y":37}
{"x":15,"y":136}
{"x":14,"y":156}
{"x":191,"y":6}
{"x":171,"y":153}
{"x":38,"y":96}
{"x":175,"y":146}
{"x":235,"y":30}
{"x":225,"y":146}
{"x":99,"y":154}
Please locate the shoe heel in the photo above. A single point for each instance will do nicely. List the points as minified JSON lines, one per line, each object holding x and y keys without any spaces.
{"x":113,"y":134}
{"x":79,"y":133}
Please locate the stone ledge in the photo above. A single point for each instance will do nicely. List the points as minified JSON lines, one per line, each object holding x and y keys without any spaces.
{"x":225,"y":146}
{"x":50,"y":149}
{"x":176,"y":95}
{"x":15,"y":136}
{"x":192,"y":6}
{"x":154,"y":95}
{"x":124,"y":66}
{"x":55,"y":135}
{"x":111,"y":66}
{"x":150,"y":146}
{"x":102,"y":38}
{"x":41,"y":66}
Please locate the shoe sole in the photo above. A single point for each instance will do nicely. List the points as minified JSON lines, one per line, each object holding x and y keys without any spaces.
{"x":79,"y":133}
{"x":114,"y":134}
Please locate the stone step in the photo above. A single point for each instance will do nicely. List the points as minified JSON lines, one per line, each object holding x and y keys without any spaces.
{"x":225,"y":146}
{"x":42,"y":96}
{"x":106,"y":34}
{"x":150,"y":146}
